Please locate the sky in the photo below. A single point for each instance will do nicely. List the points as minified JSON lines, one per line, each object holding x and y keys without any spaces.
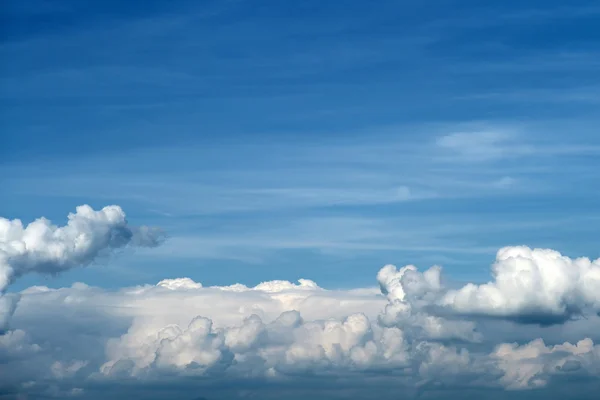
{"x":212,"y":143}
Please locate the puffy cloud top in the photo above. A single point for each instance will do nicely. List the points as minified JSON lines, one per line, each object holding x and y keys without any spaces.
{"x":532,"y":364}
{"x":45,"y":248}
{"x":414,"y":335}
{"x":532,"y":286}
{"x":179,"y":283}
{"x":535,"y":286}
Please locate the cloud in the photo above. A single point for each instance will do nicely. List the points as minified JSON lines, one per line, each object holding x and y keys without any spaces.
{"x":179,"y":283}
{"x":410,"y":293}
{"x":481,"y":145}
{"x":8,"y":304}
{"x":61,"y":370}
{"x":484,"y":144}
{"x":43,"y":248}
{"x":532,"y":286}
{"x":410,"y":335}
{"x":504,"y":182}
{"x":16,"y":343}
{"x":47,"y":249}
{"x":533,"y":364}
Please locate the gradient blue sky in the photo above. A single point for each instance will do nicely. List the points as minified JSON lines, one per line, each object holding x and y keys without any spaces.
{"x":290,"y":139}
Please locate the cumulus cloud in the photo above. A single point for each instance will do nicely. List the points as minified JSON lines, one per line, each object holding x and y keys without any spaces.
{"x":533,"y":364}
{"x":45,"y":248}
{"x":41,"y":247}
{"x":532,"y":286}
{"x":375,"y":339}
{"x":179,"y":283}
{"x":286,"y":345}
{"x":16,"y":343}
{"x":410,"y":335}
{"x":410,"y":293}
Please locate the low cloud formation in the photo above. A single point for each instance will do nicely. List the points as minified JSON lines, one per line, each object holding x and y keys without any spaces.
{"x":48,"y":249}
{"x":286,"y":345}
{"x":529,"y":286}
{"x":43,"y":248}
{"x":411,"y":335}
{"x":532,"y":286}
{"x":533,"y":364}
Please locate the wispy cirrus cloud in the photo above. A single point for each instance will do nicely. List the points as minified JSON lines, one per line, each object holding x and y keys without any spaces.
{"x":444,"y":193}
{"x":483,"y":145}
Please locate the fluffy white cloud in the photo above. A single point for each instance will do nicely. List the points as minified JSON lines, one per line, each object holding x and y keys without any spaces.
{"x":533,"y":364}
{"x":412,"y":335}
{"x":41,"y":247}
{"x":45,"y":248}
{"x":187,"y":329}
{"x":410,"y":293}
{"x":286,"y":345}
{"x":275,"y":333}
{"x":532,"y":285}
{"x":179,"y":283}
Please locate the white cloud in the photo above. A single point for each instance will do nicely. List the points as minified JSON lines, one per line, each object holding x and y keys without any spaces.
{"x":413,"y":333}
{"x":45,"y":248}
{"x":409,"y":293}
{"x":179,"y":283}
{"x":535,"y":286}
{"x":532,"y":285}
{"x":533,"y":364}
{"x":41,"y":247}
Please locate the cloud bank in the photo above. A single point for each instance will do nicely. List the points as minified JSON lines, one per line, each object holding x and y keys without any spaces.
{"x":532,"y":329}
{"x":181,"y":335}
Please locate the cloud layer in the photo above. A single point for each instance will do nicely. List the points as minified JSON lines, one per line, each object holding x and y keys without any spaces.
{"x":279,"y":334}
{"x":534,"y":326}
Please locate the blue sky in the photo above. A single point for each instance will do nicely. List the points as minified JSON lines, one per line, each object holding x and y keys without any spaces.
{"x":281,"y":140}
